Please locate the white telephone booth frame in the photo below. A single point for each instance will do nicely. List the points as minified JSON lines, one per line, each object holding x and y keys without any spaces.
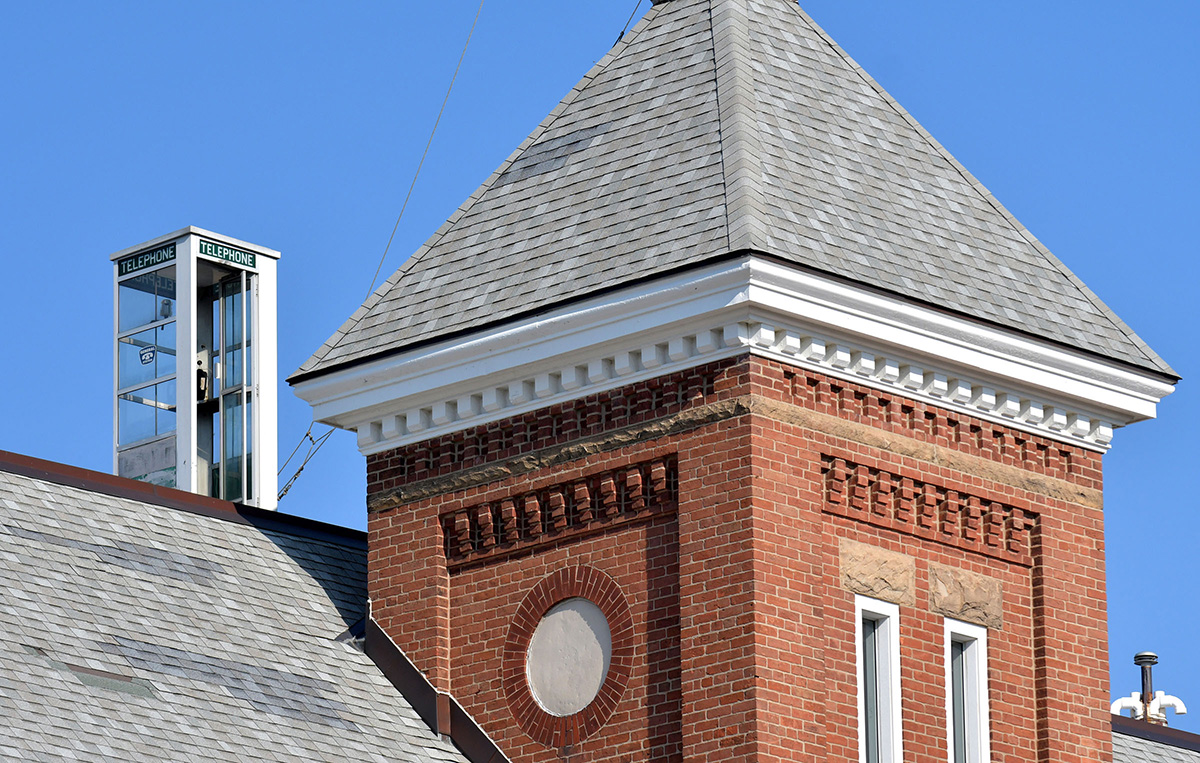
{"x":198,"y":252}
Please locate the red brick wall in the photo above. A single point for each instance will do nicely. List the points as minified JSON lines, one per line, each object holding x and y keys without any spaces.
{"x":1048,"y":667}
{"x":409,"y":587}
{"x":745,"y":632}
{"x":643,"y":560}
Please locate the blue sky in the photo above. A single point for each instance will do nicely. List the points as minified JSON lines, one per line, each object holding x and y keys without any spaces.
{"x":298,"y":126}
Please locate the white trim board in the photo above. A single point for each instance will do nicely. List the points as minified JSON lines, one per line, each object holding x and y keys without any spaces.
{"x":978,"y":706}
{"x":724,"y":310}
{"x":891,"y":732}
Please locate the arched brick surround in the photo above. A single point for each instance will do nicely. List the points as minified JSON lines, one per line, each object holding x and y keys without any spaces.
{"x":567,"y":583}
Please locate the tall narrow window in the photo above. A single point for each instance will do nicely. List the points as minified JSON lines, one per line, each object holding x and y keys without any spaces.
{"x":967,"y":693}
{"x":878,"y":645}
{"x":870,"y":681}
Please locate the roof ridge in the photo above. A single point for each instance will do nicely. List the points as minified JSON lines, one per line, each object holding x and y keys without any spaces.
{"x":737,"y":114}
{"x":478,"y":193}
{"x":987,"y":195}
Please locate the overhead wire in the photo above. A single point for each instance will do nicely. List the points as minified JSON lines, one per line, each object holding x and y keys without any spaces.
{"x":306,"y":436}
{"x":315,"y":444}
{"x":621,"y":36}
{"x":313,"y":449}
{"x":428,"y":143}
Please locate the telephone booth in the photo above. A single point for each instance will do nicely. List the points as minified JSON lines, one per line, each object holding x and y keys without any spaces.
{"x":194,"y":366}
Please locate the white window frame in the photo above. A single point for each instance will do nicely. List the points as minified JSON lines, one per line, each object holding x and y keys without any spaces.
{"x":887,"y":651}
{"x":977,"y":710}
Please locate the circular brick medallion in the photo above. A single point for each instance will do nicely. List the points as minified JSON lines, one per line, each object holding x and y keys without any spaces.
{"x":573,"y":607}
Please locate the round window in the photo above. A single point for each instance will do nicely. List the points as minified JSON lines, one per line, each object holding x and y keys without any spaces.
{"x":568,"y":656}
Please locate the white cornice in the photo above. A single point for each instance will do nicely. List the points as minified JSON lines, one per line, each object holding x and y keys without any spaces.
{"x":724,"y":310}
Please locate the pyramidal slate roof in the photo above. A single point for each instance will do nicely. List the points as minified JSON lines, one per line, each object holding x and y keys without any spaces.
{"x":718,"y":128}
{"x":135,"y":631}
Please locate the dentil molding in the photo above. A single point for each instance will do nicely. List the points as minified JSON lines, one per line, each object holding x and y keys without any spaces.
{"x":725,"y":310}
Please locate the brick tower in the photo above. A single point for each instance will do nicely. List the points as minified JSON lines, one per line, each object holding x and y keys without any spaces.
{"x":731,"y":419}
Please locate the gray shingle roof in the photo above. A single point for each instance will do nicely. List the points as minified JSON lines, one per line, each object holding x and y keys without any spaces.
{"x":722,"y":126}
{"x":1132,"y":749}
{"x":131,"y":631}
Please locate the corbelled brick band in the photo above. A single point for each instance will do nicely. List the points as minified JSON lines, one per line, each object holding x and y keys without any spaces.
{"x":916,"y":507}
{"x":744,"y":629}
{"x":566,"y":511}
{"x":653,"y":399}
{"x":564,"y":732}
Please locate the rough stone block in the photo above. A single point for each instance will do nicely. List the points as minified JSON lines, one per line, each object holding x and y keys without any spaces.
{"x":966,"y":596}
{"x":878,"y":573}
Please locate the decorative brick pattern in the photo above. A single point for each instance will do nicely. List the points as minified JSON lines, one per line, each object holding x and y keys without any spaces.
{"x":892,"y":412}
{"x":545,"y":427}
{"x":566,"y":511}
{"x":928,"y":510}
{"x":672,"y":393}
{"x":564,"y":732}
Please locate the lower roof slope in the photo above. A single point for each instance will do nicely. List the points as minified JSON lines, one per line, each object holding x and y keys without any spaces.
{"x":721,"y":127}
{"x":131,"y":631}
{"x":1141,"y":742}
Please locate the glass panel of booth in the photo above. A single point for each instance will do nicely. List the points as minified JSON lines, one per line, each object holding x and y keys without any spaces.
{"x":164,"y":409}
{"x":249,"y":445}
{"x":209,"y":441}
{"x":146,"y":412}
{"x":146,"y":298}
{"x":231,"y":446}
{"x":248,"y":312}
{"x":135,"y":416}
{"x":164,"y":342}
{"x":146,"y":355}
{"x":232,"y":301}
{"x":136,"y":359}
